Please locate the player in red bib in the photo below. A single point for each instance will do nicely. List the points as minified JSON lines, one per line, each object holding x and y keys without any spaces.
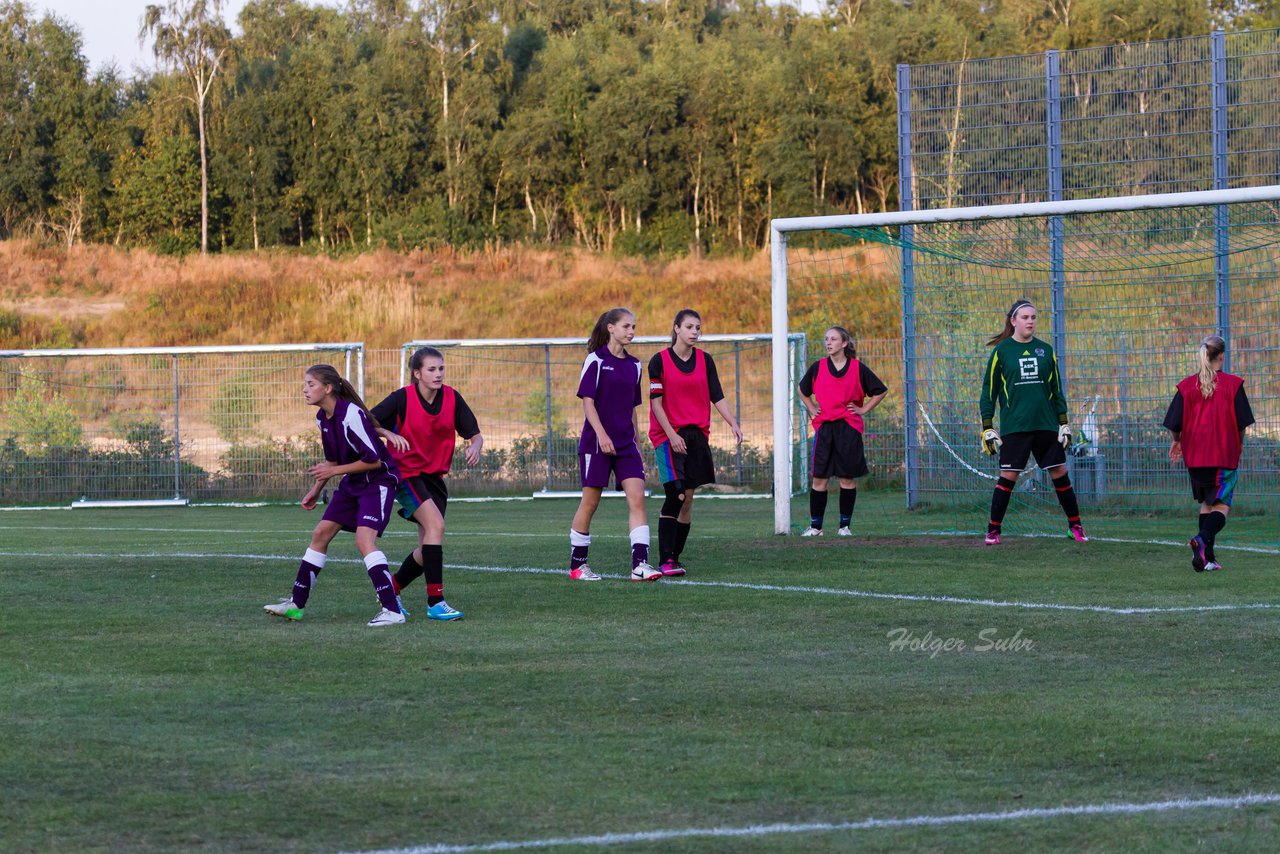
{"x":683,"y":386}
{"x":1208,"y":416}
{"x":419,"y":422}
{"x":838,"y":391}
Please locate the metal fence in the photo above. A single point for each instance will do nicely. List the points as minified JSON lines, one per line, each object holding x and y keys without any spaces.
{"x":1188,"y":114}
{"x":523,"y":392}
{"x":159,"y":423}
{"x":172,"y":425}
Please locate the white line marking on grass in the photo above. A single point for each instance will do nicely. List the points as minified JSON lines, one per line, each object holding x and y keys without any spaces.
{"x":757,"y":830}
{"x":732,"y":585}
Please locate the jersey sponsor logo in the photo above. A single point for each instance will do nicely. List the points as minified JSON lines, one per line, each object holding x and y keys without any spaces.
{"x":1029,"y":369}
{"x":606,"y":367}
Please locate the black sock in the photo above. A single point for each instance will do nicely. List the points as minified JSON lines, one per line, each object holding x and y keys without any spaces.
{"x":409,"y":572}
{"x":667,"y":539}
{"x":1000,"y":502}
{"x":1067,"y":498}
{"x":817,"y":507}
{"x":848,"y":497}
{"x":433,"y":566}
{"x":682,"y":536}
{"x":1210,"y":525}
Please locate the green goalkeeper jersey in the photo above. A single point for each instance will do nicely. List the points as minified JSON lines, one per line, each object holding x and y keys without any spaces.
{"x":1022,"y":377}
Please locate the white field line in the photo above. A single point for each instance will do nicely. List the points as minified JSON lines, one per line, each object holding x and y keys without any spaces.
{"x":732,"y":585}
{"x":758,"y":830}
{"x":1180,"y":544}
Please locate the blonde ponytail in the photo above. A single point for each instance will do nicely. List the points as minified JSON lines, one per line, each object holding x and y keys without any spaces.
{"x":1210,"y":349}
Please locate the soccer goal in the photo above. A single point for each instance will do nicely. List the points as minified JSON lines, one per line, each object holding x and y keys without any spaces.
{"x":1126,"y":288}
{"x":523,"y":392}
{"x":159,"y":425}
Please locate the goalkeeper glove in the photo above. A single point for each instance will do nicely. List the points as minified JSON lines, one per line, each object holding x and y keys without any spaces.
{"x":1064,"y":435}
{"x":991,"y":441}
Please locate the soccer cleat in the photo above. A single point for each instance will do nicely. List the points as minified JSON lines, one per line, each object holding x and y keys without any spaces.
{"x":284,"y":608}
{"x":811,"y":532}
{"x":1077,"y":534}
{"x":1198,"y":561}
{"x":992,"y":539}
{"x":387,"y":618}
{"x":1212,"y":566}
{"x":844,"y":532}
{"x":583,"y":573}
{"x":670,"y":568}
{"x":644,"y":572}
{"x":442,"y":611}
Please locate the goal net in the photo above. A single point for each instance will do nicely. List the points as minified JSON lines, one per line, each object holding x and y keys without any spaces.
{"x":160,"y":424}
{"x":1125,"y":289}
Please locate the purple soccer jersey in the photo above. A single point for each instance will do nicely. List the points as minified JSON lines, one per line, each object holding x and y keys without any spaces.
{"x":364,"y":499}
{"x":614,"y":384}
{"x":349,"y":437}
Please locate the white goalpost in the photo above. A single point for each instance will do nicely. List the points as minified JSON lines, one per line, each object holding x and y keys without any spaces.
{"x":1125,"y":286}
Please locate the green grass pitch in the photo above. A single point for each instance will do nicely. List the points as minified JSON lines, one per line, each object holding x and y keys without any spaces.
{"x":148,"y":704}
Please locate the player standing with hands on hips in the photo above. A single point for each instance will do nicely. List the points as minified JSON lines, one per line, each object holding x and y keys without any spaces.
{"x":610,"y":392}
{"x":1208,"y":416}
{"x":683,"y":386}
{"x":419,"y":422}
{"x":362,"y":501}
{"x":1022,"y":379}
{"x":838,"y":391}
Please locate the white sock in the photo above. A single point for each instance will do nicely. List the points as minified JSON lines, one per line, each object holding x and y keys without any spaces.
{"x":315,"y":558}
{"x":640,"y":534}
{"x":576,"y":539}
{"x":373,"y":559}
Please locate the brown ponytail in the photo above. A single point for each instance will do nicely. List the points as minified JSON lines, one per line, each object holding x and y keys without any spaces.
{"x":1007,"y":332}
{"x":328,"y":375}
{"x":600,"y":332}
{"x":850,"y":349}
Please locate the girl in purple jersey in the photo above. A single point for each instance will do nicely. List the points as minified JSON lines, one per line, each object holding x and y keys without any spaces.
{"x":361,"y":503}
{"x":610,"y":392}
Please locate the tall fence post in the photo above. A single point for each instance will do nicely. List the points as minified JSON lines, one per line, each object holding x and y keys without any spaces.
{"x":177,"y":436}
{"x":1053,"y":158}
{"x":737,"y":399}
{"x":905,"y":202}
{"x":1221,"y":216}
{"x":546,"y":350}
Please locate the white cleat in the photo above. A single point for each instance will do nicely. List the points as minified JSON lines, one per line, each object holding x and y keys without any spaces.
{"x":844,"y":532}
{"x":811,"y":532}
{"x":644,"y":572}
{"x":387,"y":618}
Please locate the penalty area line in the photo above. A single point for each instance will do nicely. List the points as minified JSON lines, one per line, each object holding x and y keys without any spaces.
{"x":730,"y":585}
{"x":923,"y":821}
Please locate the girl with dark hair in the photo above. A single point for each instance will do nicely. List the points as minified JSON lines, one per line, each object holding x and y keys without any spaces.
{"x":1022,"y":379}
{"x":610,"y":391}
{"x":1208,"y":416}
{"x":362,"y":501}
{"x":838,"y":391}
{"x":683,"y":386}
{"x":419,"y":423}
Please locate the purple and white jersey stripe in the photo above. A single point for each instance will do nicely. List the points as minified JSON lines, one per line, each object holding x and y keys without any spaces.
{"x":614,"y":384}
{"x":349,"y":437}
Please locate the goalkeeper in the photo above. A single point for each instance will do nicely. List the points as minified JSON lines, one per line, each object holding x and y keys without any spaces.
{"x":1022,"y":379}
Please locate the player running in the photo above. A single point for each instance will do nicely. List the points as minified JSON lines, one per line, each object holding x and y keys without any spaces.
{"x":1022,"y":378}
{"x":683,"y":386}
{"x":838,"y":391}
{"x":362,"y":501}
{"x":419,"y":422}
{"x":610,"y":392}
{"x":1208,"y":416}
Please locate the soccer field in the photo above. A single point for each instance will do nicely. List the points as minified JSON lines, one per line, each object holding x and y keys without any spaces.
{"x":1056,"y":696}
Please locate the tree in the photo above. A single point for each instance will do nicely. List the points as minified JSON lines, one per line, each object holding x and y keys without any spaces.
{"x":194,"y":40}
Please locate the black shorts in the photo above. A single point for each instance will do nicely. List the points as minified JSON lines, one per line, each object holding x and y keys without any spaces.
{"x":1017,"y":448}
{"x":837,"y":451}
{"x":1211,"y":485}
{"x":417,"y":490}
{"x":691,"y":469}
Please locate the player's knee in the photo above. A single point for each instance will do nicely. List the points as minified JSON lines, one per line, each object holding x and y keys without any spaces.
{"x":674,"y":492}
